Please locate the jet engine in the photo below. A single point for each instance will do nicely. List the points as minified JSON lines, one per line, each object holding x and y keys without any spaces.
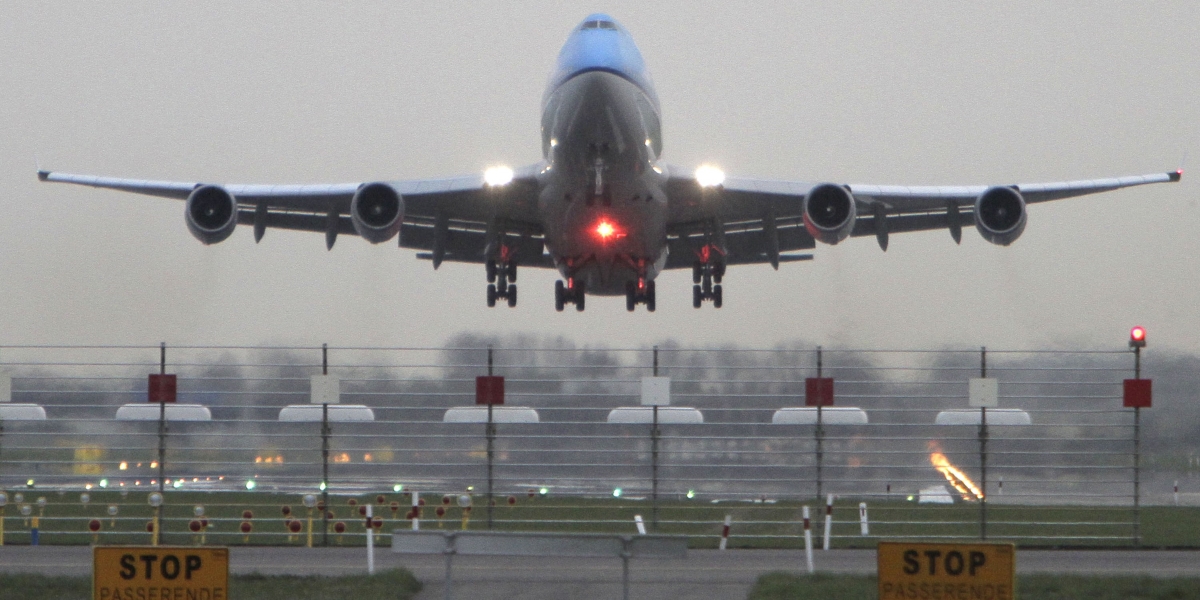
{"x":829,"y":213}
{"x":377,"y":211}
{"x":1000,"y":215}
{"x":211,"y":214}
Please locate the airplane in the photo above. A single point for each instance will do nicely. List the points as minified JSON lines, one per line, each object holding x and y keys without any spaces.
{"x":602,"y":207}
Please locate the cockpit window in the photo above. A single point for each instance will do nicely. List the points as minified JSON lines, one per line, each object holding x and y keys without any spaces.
{"x":599,"y":25}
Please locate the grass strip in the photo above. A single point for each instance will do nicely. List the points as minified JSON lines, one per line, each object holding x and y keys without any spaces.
{"x":397,"y":584}
{"x":788,"y":586}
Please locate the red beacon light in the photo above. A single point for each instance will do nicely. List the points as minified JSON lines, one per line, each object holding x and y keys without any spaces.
{"x":1137,"y":337}
{"x":607,"y":230}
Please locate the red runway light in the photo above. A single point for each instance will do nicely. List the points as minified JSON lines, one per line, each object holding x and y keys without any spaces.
{"x":1137,"y":337}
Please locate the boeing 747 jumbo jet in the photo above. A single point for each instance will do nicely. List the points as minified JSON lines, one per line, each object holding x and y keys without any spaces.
{"x":602,"y":207}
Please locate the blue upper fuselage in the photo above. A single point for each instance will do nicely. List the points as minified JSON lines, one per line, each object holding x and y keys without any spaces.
{"x":599,"y":43}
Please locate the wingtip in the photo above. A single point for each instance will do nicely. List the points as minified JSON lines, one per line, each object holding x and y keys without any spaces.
{"x":1176,"y":175}
{"x":43,"y":175}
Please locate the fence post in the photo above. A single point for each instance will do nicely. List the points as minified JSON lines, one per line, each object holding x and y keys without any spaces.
{"x":162,"y":446}
{"x":819,"y":432}
{"x":983,"y":440}
{"x":490,"y":432}
{"x":1137,"y":455}
{"x":325,"y":453}
{"x":654,"y":435}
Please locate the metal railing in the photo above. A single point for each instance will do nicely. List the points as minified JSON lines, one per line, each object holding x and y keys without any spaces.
{"x":1070,"y":477}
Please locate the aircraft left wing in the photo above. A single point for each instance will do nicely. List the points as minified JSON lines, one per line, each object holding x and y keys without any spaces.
{"x":763,"y":221}
{"x":452,"y":219}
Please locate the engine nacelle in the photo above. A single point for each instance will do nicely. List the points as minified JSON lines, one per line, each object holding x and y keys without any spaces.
{"x":1000,"y":215}
{"x":829,"y":213}
{"x":377,"y":211}
{"x":211,"y":214}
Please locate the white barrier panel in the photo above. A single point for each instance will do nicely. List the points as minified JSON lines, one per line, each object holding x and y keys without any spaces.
{"x":830,"y":415}
{"x":174,"y":412}
{"x":22,"y":412}
{"x":500,"y":414}
{"x":338,"y":413}
{"x":667,"y":415}
{"x":937,"y":494}
{"x":995,"y":416}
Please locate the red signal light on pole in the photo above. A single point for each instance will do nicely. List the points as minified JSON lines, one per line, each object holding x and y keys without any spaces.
{"x":1137,"y":337}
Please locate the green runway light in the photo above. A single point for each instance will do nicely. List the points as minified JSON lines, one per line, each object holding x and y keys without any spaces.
{"x":616,"y":492}
{"x":103,"y":483}
{"x":322,"y":486}
{"x":691,"y":494}
{"x":395,"y":488}
{"x":29,"y":484}
{"x":250,"y":484}
{"x":544,"y":491}
{"x":177,"y":484}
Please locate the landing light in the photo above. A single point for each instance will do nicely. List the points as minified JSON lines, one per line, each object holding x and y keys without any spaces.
{"x":1137,"y":337}
{"x":605,"y":230}
{"x":709,"y":176}
{"x":497,"y":176}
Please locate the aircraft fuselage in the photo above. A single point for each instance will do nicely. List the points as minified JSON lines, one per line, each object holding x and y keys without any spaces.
{"x":601,"y":199}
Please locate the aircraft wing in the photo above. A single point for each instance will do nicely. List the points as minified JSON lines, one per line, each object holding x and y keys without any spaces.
{"x":444,"y":219}
{"x":762,"y":220}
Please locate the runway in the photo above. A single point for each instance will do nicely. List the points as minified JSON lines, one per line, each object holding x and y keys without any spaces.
{"x":703,"y":574}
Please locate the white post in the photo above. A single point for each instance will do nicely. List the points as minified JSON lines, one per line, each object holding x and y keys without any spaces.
{"x":641,"y":525}
{"x":808,"y":540}
{"x":1000,"y":490}
{"x":370,"y":543}
{"x":416,"y":507}
{"x":828,"y":521}
{"x":725,"y":531}
{"x":1176,"y":492}
{"x":862,"y":518}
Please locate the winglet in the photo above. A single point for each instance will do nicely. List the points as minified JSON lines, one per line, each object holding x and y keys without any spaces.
{"x":1177,"y":175}
{"x":43,"y":175}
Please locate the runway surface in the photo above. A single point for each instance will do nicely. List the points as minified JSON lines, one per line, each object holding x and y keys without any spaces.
{"x":703,"y":574}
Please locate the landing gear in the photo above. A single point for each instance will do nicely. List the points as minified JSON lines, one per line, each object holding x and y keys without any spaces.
{"x":640,"y":292}
{"x":499,"y":274}
{"x":703,"y":275}
{"x":573,"y":291}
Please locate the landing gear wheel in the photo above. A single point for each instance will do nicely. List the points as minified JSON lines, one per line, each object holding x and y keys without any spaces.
{"x":697,"y":299}
{"x":560,"y":299}
{"x":697,"y":271}
{"x":512,"y":272}
{"x":512,"y":296}
{"x":579,"y":296}
{"x":491,"y":296}
{"x":630,"y":296}
{"x":717,"y":296}
{"x":650,"y":296}
{"x":490,"y":267}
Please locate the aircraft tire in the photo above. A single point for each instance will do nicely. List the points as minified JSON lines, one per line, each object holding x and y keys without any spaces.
{"x":717,"y":296}
{"x":512,"y":272}
{"x":491,"y":296}
{"x":560,"y":299}
{"x":696,"y":299}
{"x":490,"y":267}
{"x":579,"y":296}
{"x":512,"y":296}
{"x":630,"y":298}
{"x":696,"y":271}
{"x":650,"y":296}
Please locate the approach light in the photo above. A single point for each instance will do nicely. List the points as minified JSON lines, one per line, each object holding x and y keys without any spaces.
{"x":497,"y":176}
{"x":709,"y":176}
{"x":1137,"y":337}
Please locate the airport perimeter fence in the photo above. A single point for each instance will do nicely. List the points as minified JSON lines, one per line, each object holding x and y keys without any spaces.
{"x":571,"y":449}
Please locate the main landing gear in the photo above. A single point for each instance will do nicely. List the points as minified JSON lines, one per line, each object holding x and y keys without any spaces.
{"x":572,"y":292}
{"x":704,"y":274}
{"x":641,"y":292}
{"x":499,"y":274}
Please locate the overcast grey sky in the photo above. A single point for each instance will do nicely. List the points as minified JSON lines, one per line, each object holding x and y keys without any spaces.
{"x":865,"y":92}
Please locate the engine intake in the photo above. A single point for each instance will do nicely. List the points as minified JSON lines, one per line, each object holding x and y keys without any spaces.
{"x":1000,"y":215}
{"x":829,"y":213}
{"x":211,"y":214}
{"x":377,"y":211}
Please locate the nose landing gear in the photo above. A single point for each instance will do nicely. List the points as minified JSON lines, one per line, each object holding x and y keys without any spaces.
{"x":639,"y":292}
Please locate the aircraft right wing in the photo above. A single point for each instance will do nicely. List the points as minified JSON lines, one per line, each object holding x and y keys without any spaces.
{"x":451,"y":219}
